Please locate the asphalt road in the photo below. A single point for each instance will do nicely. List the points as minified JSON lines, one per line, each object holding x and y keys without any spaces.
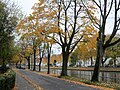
{"x":46,"y":82}
{"x":22,"y":84}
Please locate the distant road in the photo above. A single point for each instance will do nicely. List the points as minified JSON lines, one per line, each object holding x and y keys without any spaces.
{"x":28,"y":80}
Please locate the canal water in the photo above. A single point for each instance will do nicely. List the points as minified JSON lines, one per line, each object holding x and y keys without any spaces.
{"x":104,"y":76}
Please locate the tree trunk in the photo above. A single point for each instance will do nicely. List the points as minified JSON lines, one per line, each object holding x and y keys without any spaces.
{"x":100,"y":53}
{"x":91,"y":61}
{"x":103,"y":61}
{"x":34,"y":67}
{"x":40,"y":64}
{"x":28,"y":59}
{"x":17,"y":64}
{"x":48,"y":72}
{"x":114,"y":62}
{"x":102,"y":64}
{"x":20,"y":63}
{"x":64,"y":65}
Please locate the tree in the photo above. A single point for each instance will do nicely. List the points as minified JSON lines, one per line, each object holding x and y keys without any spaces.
{"x":74,"y":57}
{"x":113,"y":51}
{"x":35,"y":26}
{"x":56,"y":58}
{"x":62,"y":22}
{"x":15,"y":57}
{"x":8,"y":21}
{"x":28,"y":28}
{"x":71,"y":18}
{"x":62,"y":19}
{"x":42,"y":48}
{"x":26,"y":49}
{"x":107,"y":9}
{"x":49,"y":47}
{"x":45,"y":15}
{"x":86,"y":49}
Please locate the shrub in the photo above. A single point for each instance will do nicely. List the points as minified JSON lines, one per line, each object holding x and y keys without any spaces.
{"x":7,"y":80}
{"x":2,"y":82}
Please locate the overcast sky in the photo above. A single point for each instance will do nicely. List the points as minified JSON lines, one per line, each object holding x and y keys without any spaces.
{"x":26,"y":5}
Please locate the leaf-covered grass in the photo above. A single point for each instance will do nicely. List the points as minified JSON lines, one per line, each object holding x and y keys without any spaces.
{"x":102,"y":84}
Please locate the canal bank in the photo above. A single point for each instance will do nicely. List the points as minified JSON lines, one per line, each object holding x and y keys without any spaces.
{"x":110,"y":80}
{"x":102,"y":69}
{"x":106,"y":76}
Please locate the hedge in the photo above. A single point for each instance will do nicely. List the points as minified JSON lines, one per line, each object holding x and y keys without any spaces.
{"x":7,"y":80}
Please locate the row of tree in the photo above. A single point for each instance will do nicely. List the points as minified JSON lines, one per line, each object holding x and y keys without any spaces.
{"x":107,"y":8}
{"x":8,"y":21}
{"x":69,"y":23}
{"x":86,"y":51}
{"x":58,"y":22}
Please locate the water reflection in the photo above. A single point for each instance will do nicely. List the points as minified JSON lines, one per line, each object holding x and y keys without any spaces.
{"x":104,"y":76}
{"x":110,"y":77}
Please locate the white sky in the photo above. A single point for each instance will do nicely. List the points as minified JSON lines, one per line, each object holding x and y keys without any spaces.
{"x":26,"y":5}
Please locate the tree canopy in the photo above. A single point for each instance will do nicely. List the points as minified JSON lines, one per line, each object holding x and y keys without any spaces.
{"x":8,"y":22}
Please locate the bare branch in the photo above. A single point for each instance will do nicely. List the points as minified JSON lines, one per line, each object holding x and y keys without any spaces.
{"x":91,"y":17}
{"x":99,"y":6}
{"x":69,"y":4}
{"x":115,"y":24}
{"x":113,"y":43}
{"x":75,"y":44}
{"x":110,"y":8}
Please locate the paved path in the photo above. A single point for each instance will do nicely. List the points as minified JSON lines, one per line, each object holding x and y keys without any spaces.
{"x":22,"y":84}
{"x":46,"y":82}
